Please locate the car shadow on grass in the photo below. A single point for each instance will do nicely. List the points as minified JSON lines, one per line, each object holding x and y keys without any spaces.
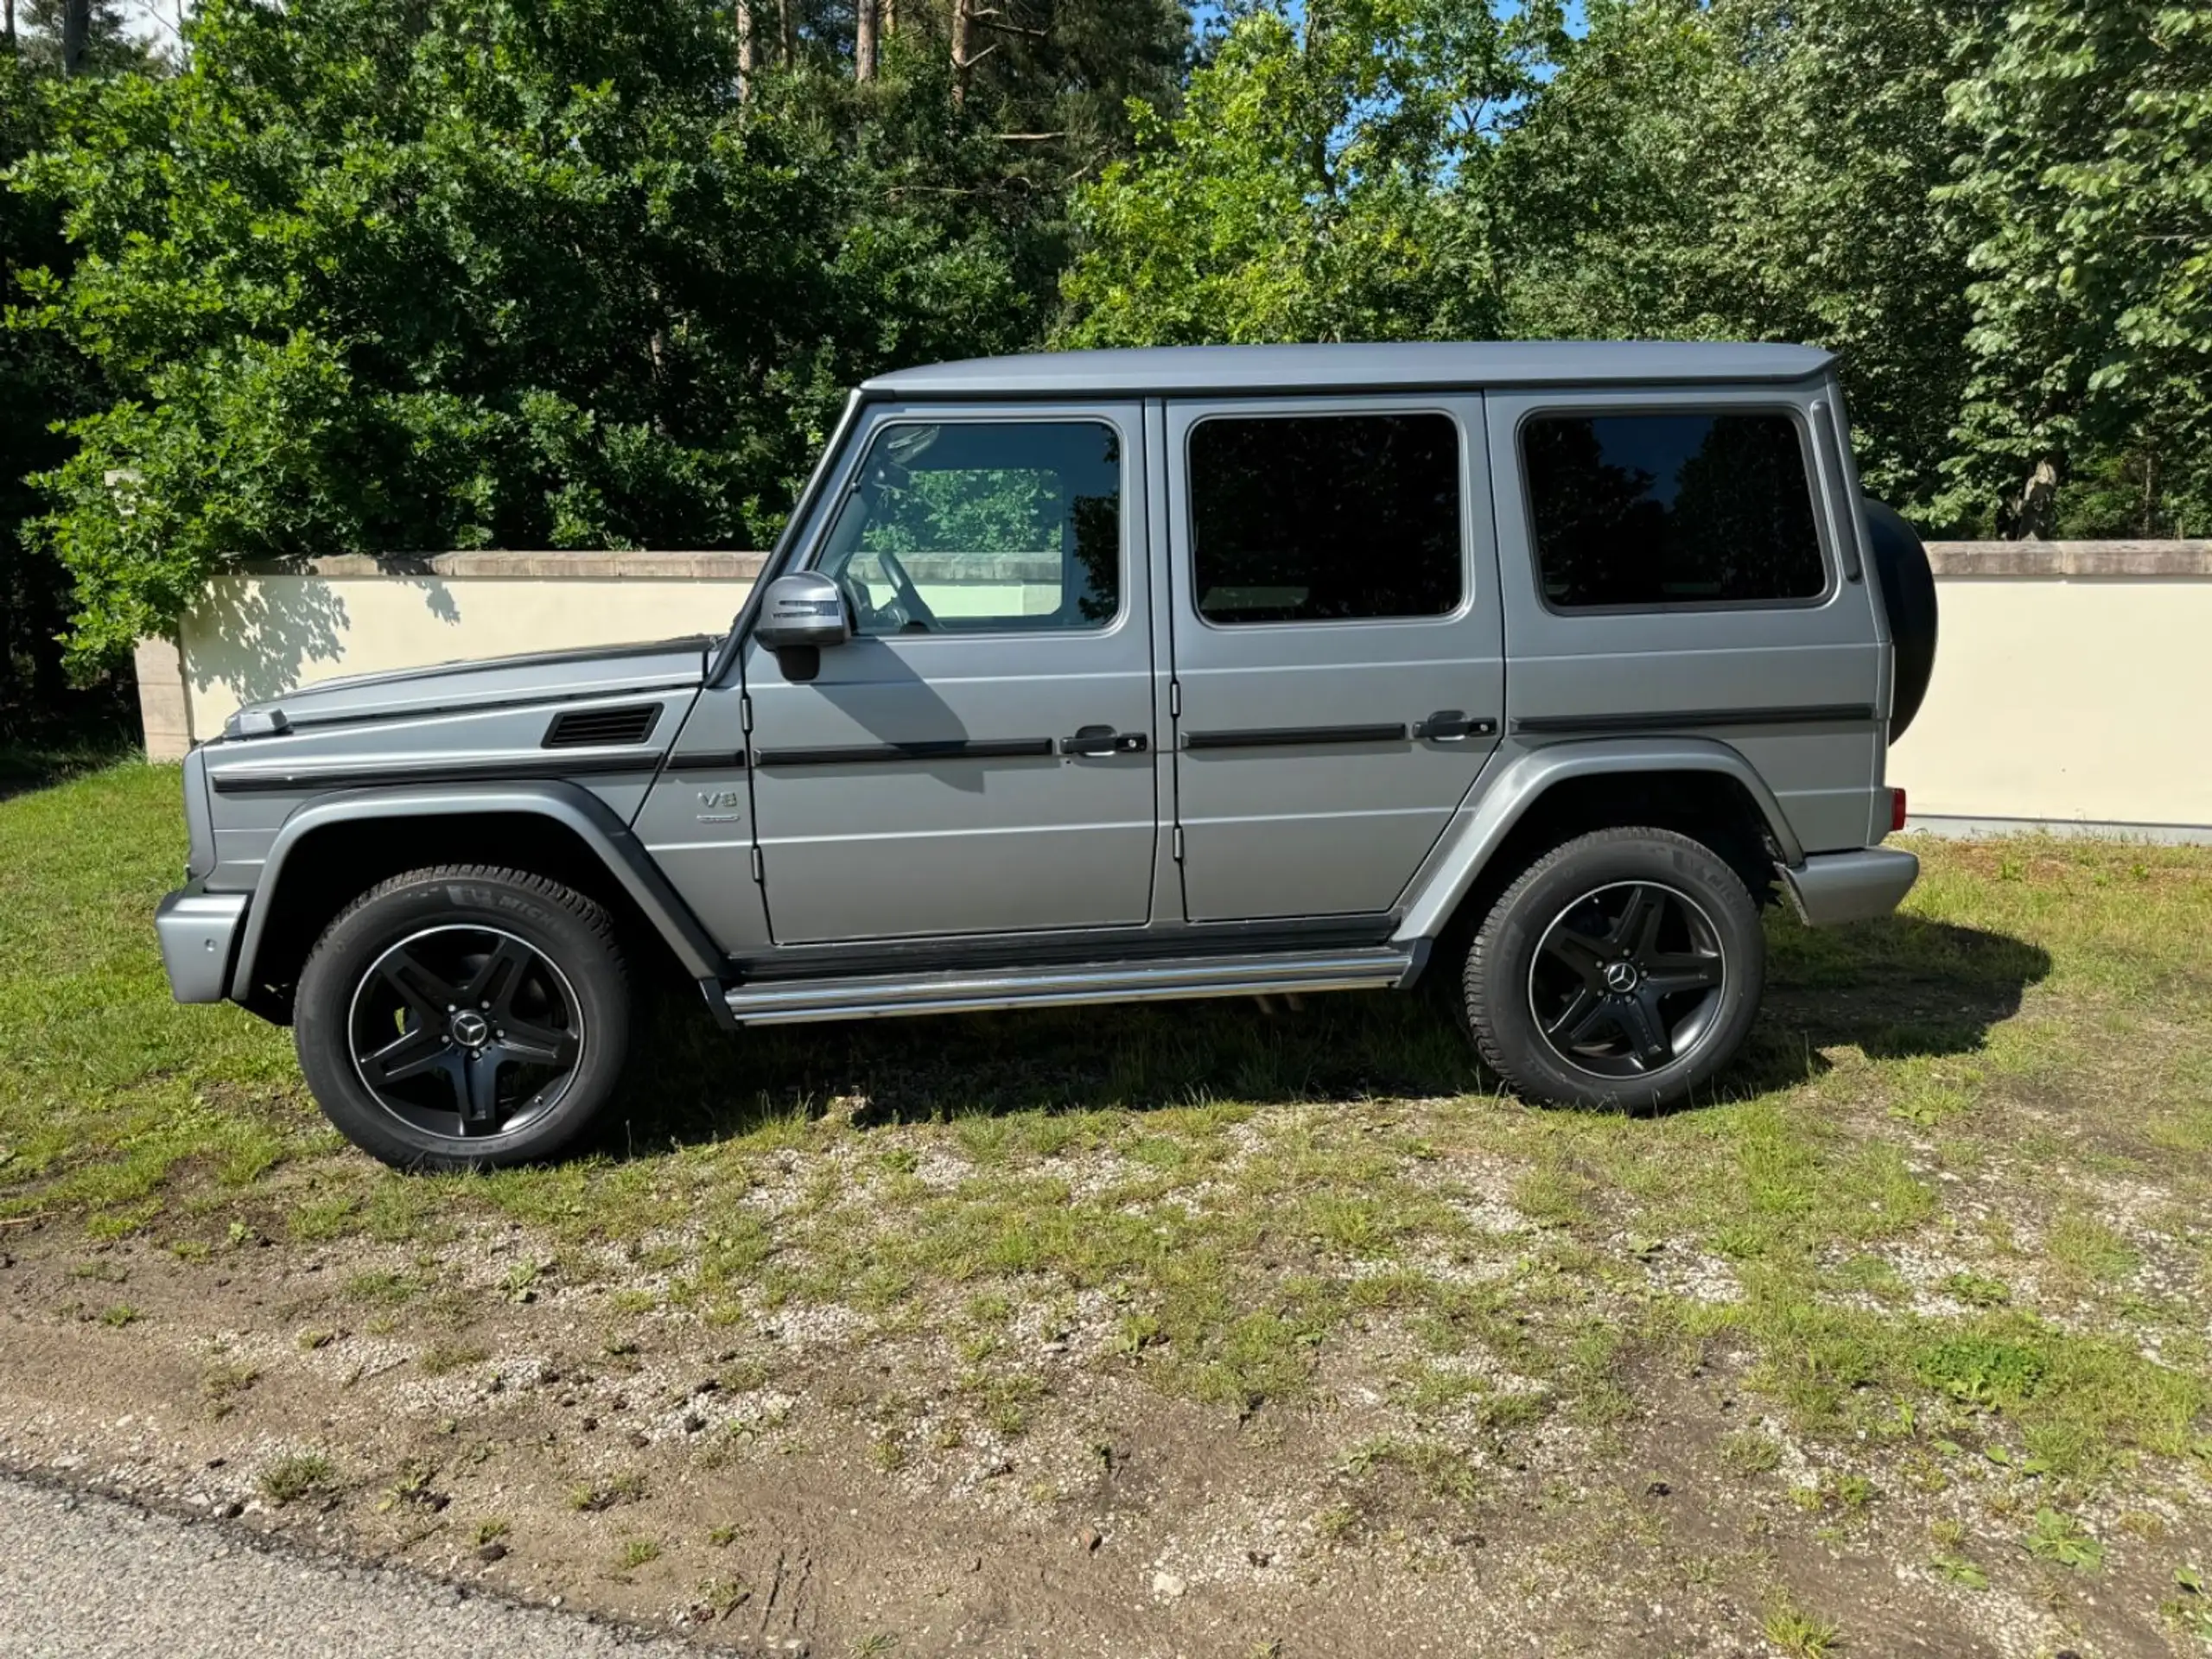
{"x":1900,"y":986}
{"x":1895,"y":988}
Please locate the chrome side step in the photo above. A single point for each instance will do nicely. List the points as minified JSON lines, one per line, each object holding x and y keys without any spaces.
{"x":787,"y":1002}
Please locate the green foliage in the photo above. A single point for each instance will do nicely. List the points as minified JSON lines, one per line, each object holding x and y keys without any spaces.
{"x":2061,"y":1538}
{"x":1757,"y":169}
{"x":399,"y":277}
{"x":41,"y":381}
{"x":2086,"y":172}
{"x":2000,"y":216}
{"x":1981,"y":1371}
{"x":1324,"y":180}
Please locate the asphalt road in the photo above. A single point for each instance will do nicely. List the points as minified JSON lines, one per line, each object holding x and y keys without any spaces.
{"x":82,"y":1575}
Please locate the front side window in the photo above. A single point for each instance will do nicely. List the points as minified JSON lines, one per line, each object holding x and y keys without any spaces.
{"x":1651,"y":511}
{"x":982,"y":526}
{"x":1325,"y":517}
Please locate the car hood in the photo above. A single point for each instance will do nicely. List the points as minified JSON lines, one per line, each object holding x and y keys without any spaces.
{"x":541,"y":677}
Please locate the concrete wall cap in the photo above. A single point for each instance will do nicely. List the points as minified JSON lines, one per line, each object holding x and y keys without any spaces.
{"x":2060,"y":560}
{"x":519,"y":564}
{"x":2048,"y":561}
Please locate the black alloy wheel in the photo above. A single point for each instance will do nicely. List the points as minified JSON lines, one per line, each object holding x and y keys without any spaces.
{"x":464,"y":1017}
{"x":1626,"y":978}
{"x":1623,"y":968}
{"x":466,"y":1031}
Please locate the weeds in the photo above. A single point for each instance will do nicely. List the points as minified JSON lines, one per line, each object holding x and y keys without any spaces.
{"x":292,"y":1477}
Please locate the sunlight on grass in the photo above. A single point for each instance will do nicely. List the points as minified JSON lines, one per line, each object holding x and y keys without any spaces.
{"x":1923,"y":1206}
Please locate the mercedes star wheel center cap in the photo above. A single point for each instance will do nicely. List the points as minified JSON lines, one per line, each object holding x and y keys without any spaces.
{"x":470,"y":1029}
{"x":1620,"y":977}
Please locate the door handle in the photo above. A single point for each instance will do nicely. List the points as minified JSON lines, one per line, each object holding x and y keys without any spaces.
{"x":1451,"y":725}
{"x":1103,"y":740}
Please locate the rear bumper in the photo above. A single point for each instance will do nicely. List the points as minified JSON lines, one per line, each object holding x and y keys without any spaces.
{"x":1832,"y":887}
{"x":199,"y":933}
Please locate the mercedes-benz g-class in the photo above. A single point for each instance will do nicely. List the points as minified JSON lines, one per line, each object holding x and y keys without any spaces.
{"x":1120,"y":676}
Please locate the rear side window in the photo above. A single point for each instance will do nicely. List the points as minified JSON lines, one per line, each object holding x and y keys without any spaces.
{"x":1659,"y":509}
{"x":1325,"y":517}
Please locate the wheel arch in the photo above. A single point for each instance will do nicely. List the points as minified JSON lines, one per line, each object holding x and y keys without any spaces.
{"x":1550,"y":794}
{"x":333,"y":848}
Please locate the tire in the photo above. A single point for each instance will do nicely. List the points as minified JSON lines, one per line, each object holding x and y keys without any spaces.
{"x":1908,"y":587}
{"x":386,"y":991}
{"x":1562,"y":948}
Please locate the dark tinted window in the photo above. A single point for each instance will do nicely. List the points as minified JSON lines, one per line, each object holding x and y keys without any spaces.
{"x":1656,"y":509}
{"x":1321,"y":518}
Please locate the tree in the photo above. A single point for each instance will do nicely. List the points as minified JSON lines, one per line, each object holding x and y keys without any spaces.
{"x":78,"y":38}
{"x":1758,"y":169}
{"x":2087,"y":178}
{"x":376,"y":275}
{"x":42,"y":379}
{"x":1307,"y":190}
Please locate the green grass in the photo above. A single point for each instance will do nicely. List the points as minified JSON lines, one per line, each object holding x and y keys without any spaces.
{"x":1899,"y":1209}
{"x":288,"y":1479}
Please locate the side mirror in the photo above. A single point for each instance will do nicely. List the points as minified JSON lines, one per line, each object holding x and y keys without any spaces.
{"x":799,"y":614}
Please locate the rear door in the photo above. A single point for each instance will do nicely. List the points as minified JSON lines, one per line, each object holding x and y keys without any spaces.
{"x":1677,"y":561}
{"x":1337,"y":643}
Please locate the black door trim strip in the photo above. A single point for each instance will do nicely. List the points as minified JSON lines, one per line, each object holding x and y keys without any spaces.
{"x":708,"y":760}
{"x":1293,"y":737}
{"x":259,"y":780}
{"x":864,"y":754}
{"x":1678,"y":719}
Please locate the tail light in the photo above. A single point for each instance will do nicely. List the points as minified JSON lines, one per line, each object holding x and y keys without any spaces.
{"x":1896,"y":810}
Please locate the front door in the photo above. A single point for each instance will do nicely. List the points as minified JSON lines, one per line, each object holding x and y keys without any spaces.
{"x":1338,"y":667}
{"x":979,"y":759}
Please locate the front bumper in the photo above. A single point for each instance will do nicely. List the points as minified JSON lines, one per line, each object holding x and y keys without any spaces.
{"x":1832,"y":887}
{"x":199,"y":933}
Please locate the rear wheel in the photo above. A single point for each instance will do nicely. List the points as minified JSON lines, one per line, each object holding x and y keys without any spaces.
{"x":464,"y":1017}
{"x":1624,"y":968}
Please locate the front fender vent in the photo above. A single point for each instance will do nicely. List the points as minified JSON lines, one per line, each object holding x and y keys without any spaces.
{"x":595,"y":729}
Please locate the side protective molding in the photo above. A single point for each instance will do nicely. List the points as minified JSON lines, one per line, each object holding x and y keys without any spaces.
{"x":1514,"y":782}
{"x":568,"y":805}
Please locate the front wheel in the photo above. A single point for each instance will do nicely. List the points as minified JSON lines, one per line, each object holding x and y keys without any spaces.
{"x":464,"y":1018}
{"x":1624,"y":968}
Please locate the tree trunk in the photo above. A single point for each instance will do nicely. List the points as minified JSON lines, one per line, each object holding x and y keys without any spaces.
{"x":864,"y":28}
{"x":748,"y":53}
{"x":10,"y":7}
{"x":76,"y":33}
{"x":962,"y":34}
{"x":2034,"y":516}
{"x":790,"y":33}
{"x":888,"y":9}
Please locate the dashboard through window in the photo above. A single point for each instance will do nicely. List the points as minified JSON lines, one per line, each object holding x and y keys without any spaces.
{"x":1325,"y":517}
{"x":1678,"y":509}
{"x":982,"y":526}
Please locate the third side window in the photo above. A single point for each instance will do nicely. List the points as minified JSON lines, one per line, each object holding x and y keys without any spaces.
{"x":1672,"y":509}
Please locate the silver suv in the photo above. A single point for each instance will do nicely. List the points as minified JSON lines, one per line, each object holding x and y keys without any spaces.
{"x":1120,"y":676}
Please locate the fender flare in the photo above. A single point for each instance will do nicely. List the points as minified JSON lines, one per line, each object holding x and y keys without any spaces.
{"x":571,"y":806}
{"x":1504,"y":796}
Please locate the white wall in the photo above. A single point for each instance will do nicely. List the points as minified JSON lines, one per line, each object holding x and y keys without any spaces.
{"x":2069,"y":699}
{"x":260,"y":635}
{"x":2073,"y":683}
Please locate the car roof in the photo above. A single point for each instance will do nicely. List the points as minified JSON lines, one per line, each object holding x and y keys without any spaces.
{"x":1398,"y":367}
